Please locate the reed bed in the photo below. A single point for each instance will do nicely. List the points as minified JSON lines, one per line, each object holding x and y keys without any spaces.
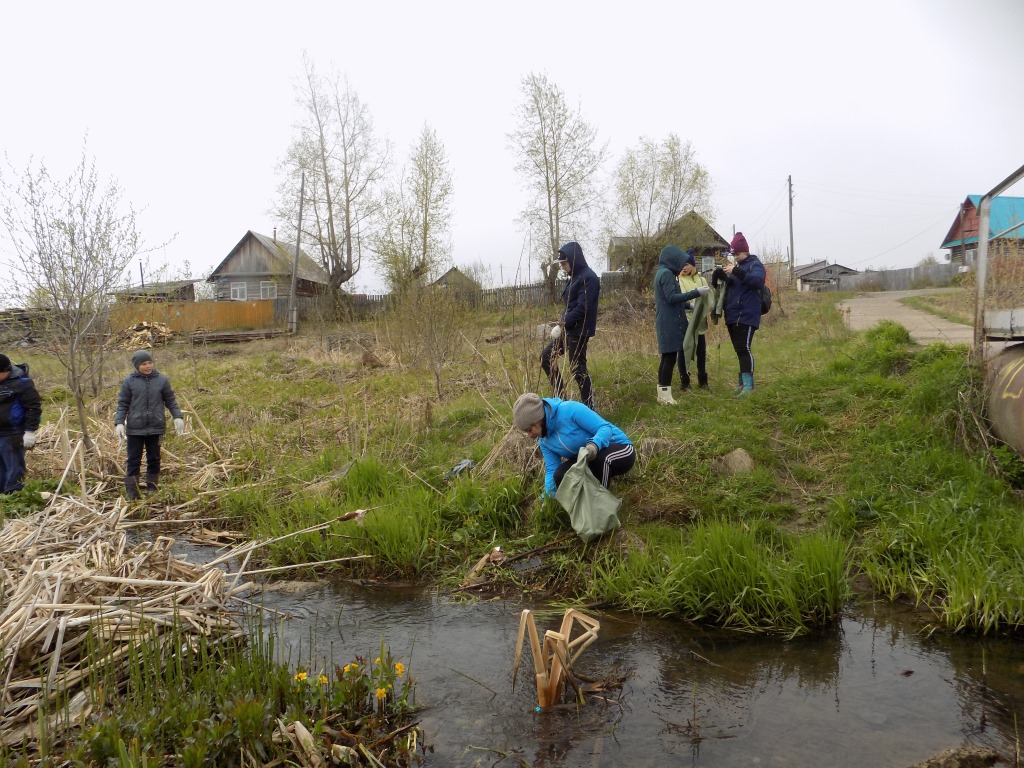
{"x":77,"y":600}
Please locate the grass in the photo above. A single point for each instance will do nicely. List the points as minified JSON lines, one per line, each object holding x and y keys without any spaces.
{"x":955,"y":306}
{"x":187,"y":702}
{"x":858,"y":442}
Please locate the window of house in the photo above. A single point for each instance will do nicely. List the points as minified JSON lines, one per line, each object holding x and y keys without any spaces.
{"x":238,"y":292}
{"x":268,"y":289}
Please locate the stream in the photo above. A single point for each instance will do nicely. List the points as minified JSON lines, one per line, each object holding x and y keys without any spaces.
{"x":874,"y":690}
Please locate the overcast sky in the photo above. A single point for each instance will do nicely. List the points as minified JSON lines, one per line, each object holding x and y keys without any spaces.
{"x":886,"y":113}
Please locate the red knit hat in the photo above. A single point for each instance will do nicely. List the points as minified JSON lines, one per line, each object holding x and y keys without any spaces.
{"x":739,"y":244}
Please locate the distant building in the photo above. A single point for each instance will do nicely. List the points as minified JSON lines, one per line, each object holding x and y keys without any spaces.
{"x":174,"y":290}
{"x":688,"y":231}
{"x":820,"y":275}
{"x":457,"y":280}
{"x":1004,"y":234}
{"x":260,"y":267}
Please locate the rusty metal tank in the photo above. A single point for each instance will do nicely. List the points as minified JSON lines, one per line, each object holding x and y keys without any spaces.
{"x":1006,"y":396}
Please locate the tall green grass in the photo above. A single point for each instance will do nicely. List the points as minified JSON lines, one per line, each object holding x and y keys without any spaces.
{"x":747,"y":578}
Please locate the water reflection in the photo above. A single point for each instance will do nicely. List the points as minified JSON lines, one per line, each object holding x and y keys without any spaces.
{"x":871,"y":691}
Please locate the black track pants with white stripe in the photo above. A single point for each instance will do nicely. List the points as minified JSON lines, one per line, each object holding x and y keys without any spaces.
{"x":616,"y":459}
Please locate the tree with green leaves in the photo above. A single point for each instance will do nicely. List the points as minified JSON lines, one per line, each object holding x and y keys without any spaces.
{"x":656,"y":184}
{"x":413,"y":243}
{"x":72,"y":242}
{"x":344,"y":165}
{"x":559,"y":160}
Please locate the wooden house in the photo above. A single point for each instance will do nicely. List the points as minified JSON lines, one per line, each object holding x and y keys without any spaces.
{"x":688,"y":231}
{"x":820,"y":275}
{"x":260,"y":267}
{"x":1006,"y":229}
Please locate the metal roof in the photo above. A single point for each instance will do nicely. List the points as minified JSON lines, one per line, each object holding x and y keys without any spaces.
{"x":1006,"y":211}
{"x":280,"y":259}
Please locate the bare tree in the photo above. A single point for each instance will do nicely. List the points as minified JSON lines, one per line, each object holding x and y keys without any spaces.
{"x":343,"y":163}
{"x":414,"y":241}
{"x":559,"y":160}
{"x":656,"y":183}
{"x":72,"y":242}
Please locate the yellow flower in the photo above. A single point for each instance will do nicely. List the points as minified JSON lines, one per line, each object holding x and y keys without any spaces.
{"x":399,"y":668}
{"x":381,"y":693}
{"x":377,"y":660}
{"x":299,"y":676}
{"x":351,"y":667}
{"x":322,"y":679}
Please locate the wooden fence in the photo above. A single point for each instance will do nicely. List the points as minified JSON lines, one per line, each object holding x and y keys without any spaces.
{"x":187,"y":317}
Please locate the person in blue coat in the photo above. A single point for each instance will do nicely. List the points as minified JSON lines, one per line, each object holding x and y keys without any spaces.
{"x":579,"y":323}
{"x":561,"y":428}
{"x":744,"y":280}
{"x":670,"y":322}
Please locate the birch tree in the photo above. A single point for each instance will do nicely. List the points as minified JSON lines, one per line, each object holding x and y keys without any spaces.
{"x":344,"y":163}
{"x":559,"y":160}
{"x":71,"y":243}
{"x":655,"y":184}
{"x":414,"y":241}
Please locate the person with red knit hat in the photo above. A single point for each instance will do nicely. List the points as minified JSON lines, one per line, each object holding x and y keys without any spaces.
{"x":744,"y":278}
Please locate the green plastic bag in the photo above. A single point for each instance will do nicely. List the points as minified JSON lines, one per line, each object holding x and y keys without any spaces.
{"x":593,"y":509}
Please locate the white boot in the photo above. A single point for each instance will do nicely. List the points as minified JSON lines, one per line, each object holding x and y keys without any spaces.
{"x":665,"y":395}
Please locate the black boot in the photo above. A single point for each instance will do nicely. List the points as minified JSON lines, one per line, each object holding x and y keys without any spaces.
{"x":152,"y":482}
{"x":684,"y":381}
{"x":131,"y":487}
{"x":702,"y":380}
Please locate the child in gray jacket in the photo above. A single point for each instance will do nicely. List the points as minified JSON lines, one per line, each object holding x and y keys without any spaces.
{"x":139,"y":420}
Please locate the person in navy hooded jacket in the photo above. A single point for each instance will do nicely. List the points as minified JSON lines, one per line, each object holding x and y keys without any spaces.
{"x":742,"y":308}
{"x":561,"y":428}
{"x":21,"y":410}
{"x":579,"y":323}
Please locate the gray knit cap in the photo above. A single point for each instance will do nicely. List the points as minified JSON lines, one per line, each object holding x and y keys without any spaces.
{"x":140,"y":357}
{"x":528,"y":410}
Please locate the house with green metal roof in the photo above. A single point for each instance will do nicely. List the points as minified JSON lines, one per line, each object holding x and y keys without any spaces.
{"x":1006,"y":229}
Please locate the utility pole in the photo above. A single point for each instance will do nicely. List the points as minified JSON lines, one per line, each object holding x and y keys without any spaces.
{"x":792,"y":253}
{"x":293,"y":310}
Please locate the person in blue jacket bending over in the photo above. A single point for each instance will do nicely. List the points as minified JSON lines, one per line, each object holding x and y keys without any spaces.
{"x":562,"y":427}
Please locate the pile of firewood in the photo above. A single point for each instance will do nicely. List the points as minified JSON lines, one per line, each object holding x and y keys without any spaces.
{"x":143,"y":335}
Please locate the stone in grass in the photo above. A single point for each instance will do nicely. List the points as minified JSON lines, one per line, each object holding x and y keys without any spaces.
{"x":736,"y":462}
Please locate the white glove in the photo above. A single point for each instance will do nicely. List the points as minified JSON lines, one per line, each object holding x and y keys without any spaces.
{"x":591,"y":451}
{"x":703,"y":290}
{"x":179,"y":426}
{"x":120,"y":433}
{"x":28,"y":439}
{"x":556,"y":333}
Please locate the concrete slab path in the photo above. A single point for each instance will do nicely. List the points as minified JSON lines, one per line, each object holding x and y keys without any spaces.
{"x":866,"y":310}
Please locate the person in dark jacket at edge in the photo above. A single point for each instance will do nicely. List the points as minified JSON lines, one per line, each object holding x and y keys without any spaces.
{"x":20,"y":413}
{"x":579,"y":323}
{"x":139,"y":420}
{"x":744,"y":279}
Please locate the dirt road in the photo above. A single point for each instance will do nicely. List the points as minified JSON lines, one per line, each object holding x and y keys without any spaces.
{"x":866,"y":310}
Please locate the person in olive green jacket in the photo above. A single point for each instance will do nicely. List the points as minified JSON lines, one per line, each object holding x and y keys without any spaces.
{"x":694,"y":344}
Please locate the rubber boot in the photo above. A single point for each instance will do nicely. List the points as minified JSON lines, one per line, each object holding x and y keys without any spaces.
{"x":748,"y":384}
{"x":665,"y":395}
{"x":739,"y":384}
{"x":152,"y":482}
{"x":702,"y":380}
{"x":131,"y":487}
{"x":684,"y":381}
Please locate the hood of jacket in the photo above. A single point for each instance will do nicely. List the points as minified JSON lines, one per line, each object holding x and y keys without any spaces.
{"x":574,"y":255}
{"x":672,"y":258}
